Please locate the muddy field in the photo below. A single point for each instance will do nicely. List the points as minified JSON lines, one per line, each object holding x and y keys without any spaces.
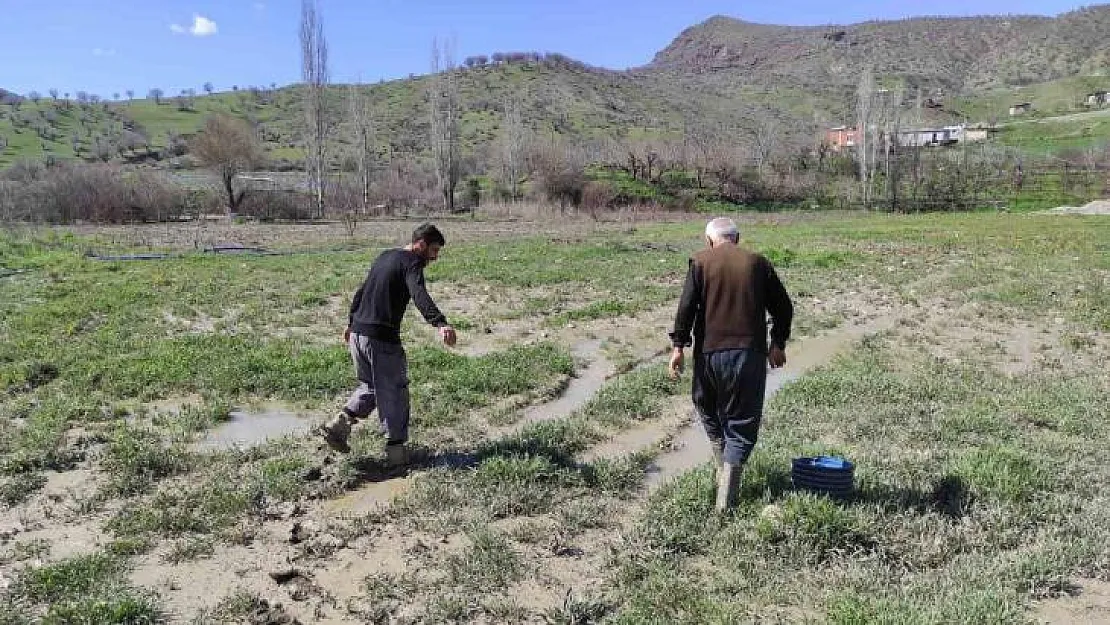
{"x":158,"y":465}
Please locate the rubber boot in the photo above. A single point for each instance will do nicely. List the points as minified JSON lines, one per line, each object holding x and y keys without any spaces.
{"x":396,"y":455}
{"x":728,"y":485}
{"x":336,"y":432}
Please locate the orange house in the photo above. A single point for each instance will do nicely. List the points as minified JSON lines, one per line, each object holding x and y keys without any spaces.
{"x":841,"y":137}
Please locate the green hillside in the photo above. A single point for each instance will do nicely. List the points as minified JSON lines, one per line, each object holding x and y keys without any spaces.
{"x":723,"y":78}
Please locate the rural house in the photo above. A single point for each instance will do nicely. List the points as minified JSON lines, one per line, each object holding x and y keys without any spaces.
{"x":923,"y":137}
{"x":1097,"y":98}
{"x":1020,"y":109}
{"x":975,"y":133}
{"x":841,"y":137}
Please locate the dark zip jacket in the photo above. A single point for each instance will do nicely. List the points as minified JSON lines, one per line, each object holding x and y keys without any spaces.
{"x":378,"y":306}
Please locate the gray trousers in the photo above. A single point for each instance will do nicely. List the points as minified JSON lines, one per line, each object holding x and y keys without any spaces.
{"x":728,"y":394}
{"x":383,"y":374}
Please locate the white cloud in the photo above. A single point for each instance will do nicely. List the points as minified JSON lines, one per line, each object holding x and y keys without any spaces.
{"x":103,"y":52}
{"x":203,"y":27}
{"x":259,"y":6}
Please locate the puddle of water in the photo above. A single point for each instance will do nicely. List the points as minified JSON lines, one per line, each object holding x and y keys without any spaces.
{"x":581,"y":388}
{"x":691,"y":448}
{"x":175,"y":404}
{"x":371,"y":497}
{"x":254,"y":427}
{"x":646,"y":436}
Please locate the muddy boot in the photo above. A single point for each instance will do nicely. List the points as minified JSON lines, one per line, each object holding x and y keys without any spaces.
{"x":718,"y":455}
{"x":728,"y":485}
{"x":396,"y":455}
{"x":336,"y":432}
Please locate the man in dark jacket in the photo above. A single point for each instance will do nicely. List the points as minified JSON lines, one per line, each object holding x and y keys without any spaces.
{"x":373,"y":336}
{"x":725,"y":300}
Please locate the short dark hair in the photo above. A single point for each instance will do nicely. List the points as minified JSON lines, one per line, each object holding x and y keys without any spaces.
{"x":429,"y":234}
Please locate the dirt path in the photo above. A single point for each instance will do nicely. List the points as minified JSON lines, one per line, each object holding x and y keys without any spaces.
{"x":1060,"y":118}
{"x":1089,"y":606}
{"x":1098,"y":207}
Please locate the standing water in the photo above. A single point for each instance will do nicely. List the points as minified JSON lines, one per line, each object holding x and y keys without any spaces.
{"x":247,"y":428}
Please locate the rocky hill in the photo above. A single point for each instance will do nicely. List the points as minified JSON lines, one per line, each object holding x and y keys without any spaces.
{"x":954,"y":54}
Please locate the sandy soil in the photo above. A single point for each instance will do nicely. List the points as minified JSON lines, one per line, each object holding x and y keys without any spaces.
{"x":1098,"y":207}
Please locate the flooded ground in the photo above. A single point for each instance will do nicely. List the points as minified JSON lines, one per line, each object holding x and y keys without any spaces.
{"x":690,"y":448}
{"x":255,"y":425}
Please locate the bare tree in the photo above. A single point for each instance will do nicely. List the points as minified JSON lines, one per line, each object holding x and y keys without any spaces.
{"x":443,"y":104}
{"x":765,"y":140}
{"x":864,"y":95}
{"x":53,"y":94}
{"x":314,"y":72}
{"x":208,"y":88}
{"x":130,"y":94}
{"x":892,"y":129}
{"x":363,"y":126}
{"x":34,"y":96}
{"x":156,"y":95}
{"x":227,"y":146}
{"x":115,"y":96}
{"x":511,"y":146}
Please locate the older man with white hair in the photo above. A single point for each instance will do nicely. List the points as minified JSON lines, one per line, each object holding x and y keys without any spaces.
{"x":728,"y":293}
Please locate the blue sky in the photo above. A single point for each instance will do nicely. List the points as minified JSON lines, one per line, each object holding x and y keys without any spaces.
{"x":105,"y":47}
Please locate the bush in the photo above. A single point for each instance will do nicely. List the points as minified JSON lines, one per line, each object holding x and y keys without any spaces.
{"x":675,"y":181}
{"x":472,"y":196}
{"x":24,"y":171}
{"x":405,"y":185}
{"x":685,"y":200}
{"x":97,"y":192}
{"x":565,"y":186}
{"x":268,"y":205}
{"x":598,"y":196}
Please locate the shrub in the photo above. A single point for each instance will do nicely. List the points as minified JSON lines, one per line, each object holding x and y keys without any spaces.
{"x":270,"y":205}
{"x":90,"y":192}
{"x":598,"y":196}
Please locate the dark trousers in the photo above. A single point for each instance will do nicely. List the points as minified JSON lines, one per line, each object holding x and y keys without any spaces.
{"x":728,"y":397}
{"x":383,"y":374}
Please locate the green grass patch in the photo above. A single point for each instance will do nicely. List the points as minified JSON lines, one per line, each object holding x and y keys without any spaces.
{"x":86,"y":589}
{"x":488,"y":564}
{"x":954,"y":508}
{"x":136,"y":459}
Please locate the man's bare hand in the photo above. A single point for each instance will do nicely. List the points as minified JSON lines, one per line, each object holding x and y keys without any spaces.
{"x":777,"y":357}
{"x":346,"y":336}
{"x":678,"y":362}
{"x":448,"y":336}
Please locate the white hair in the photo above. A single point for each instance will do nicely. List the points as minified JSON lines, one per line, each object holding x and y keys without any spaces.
{"x":722,"y":229}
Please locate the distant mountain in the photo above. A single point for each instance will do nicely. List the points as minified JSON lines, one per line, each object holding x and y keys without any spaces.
{"x":954,"y":54}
